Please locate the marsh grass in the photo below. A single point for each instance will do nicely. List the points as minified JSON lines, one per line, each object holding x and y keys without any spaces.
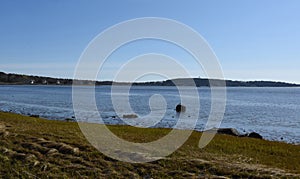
{"x":34,"y":147}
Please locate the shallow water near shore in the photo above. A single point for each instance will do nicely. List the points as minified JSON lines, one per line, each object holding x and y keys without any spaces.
{"x":272,"y":112}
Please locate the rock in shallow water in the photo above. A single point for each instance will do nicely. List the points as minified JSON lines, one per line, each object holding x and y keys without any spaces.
{"x":130,"y":116}
{"x":229,"y":131}
{"x":180,"y":108}
{"x":234,"y":132}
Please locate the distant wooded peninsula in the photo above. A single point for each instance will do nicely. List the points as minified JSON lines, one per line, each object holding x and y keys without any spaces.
{"x":18,"y":79}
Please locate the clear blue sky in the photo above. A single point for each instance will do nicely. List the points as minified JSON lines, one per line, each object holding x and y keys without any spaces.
{"x":253,"y":39}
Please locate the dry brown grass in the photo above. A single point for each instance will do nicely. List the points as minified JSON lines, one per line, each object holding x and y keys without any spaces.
{"x":33,"y":147}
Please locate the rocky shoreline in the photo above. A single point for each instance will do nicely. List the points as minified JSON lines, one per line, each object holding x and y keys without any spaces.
{"x":226,"y":131}
{"x":235,"y":132}
{"x":37,"y":148}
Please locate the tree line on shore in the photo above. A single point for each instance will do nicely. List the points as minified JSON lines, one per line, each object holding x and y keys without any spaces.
{"x":18,"y":79}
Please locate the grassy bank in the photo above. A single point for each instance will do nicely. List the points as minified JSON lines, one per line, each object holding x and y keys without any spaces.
{"x":33,"y":147}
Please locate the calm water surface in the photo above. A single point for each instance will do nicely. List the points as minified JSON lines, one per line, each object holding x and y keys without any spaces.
{"x":272,"y":112}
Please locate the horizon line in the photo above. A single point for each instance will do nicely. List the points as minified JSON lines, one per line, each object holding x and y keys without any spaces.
{"x":198,"y":77}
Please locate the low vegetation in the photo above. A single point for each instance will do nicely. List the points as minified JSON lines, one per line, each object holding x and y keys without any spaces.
{"x":33,"y":147}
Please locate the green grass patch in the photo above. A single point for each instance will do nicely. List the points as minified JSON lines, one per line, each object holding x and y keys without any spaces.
{"x":25,"y":152}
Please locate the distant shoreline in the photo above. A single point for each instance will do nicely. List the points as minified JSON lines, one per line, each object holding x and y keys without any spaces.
{"x":18,"y":79}
{"x":70,"y":85}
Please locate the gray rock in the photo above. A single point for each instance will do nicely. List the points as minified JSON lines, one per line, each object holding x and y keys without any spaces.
{"x":255,"y":135}
{"x":180,"y":108}
{"x":70,"y":119}
{"x":130,"y":116}
{"x":229,"y":131}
